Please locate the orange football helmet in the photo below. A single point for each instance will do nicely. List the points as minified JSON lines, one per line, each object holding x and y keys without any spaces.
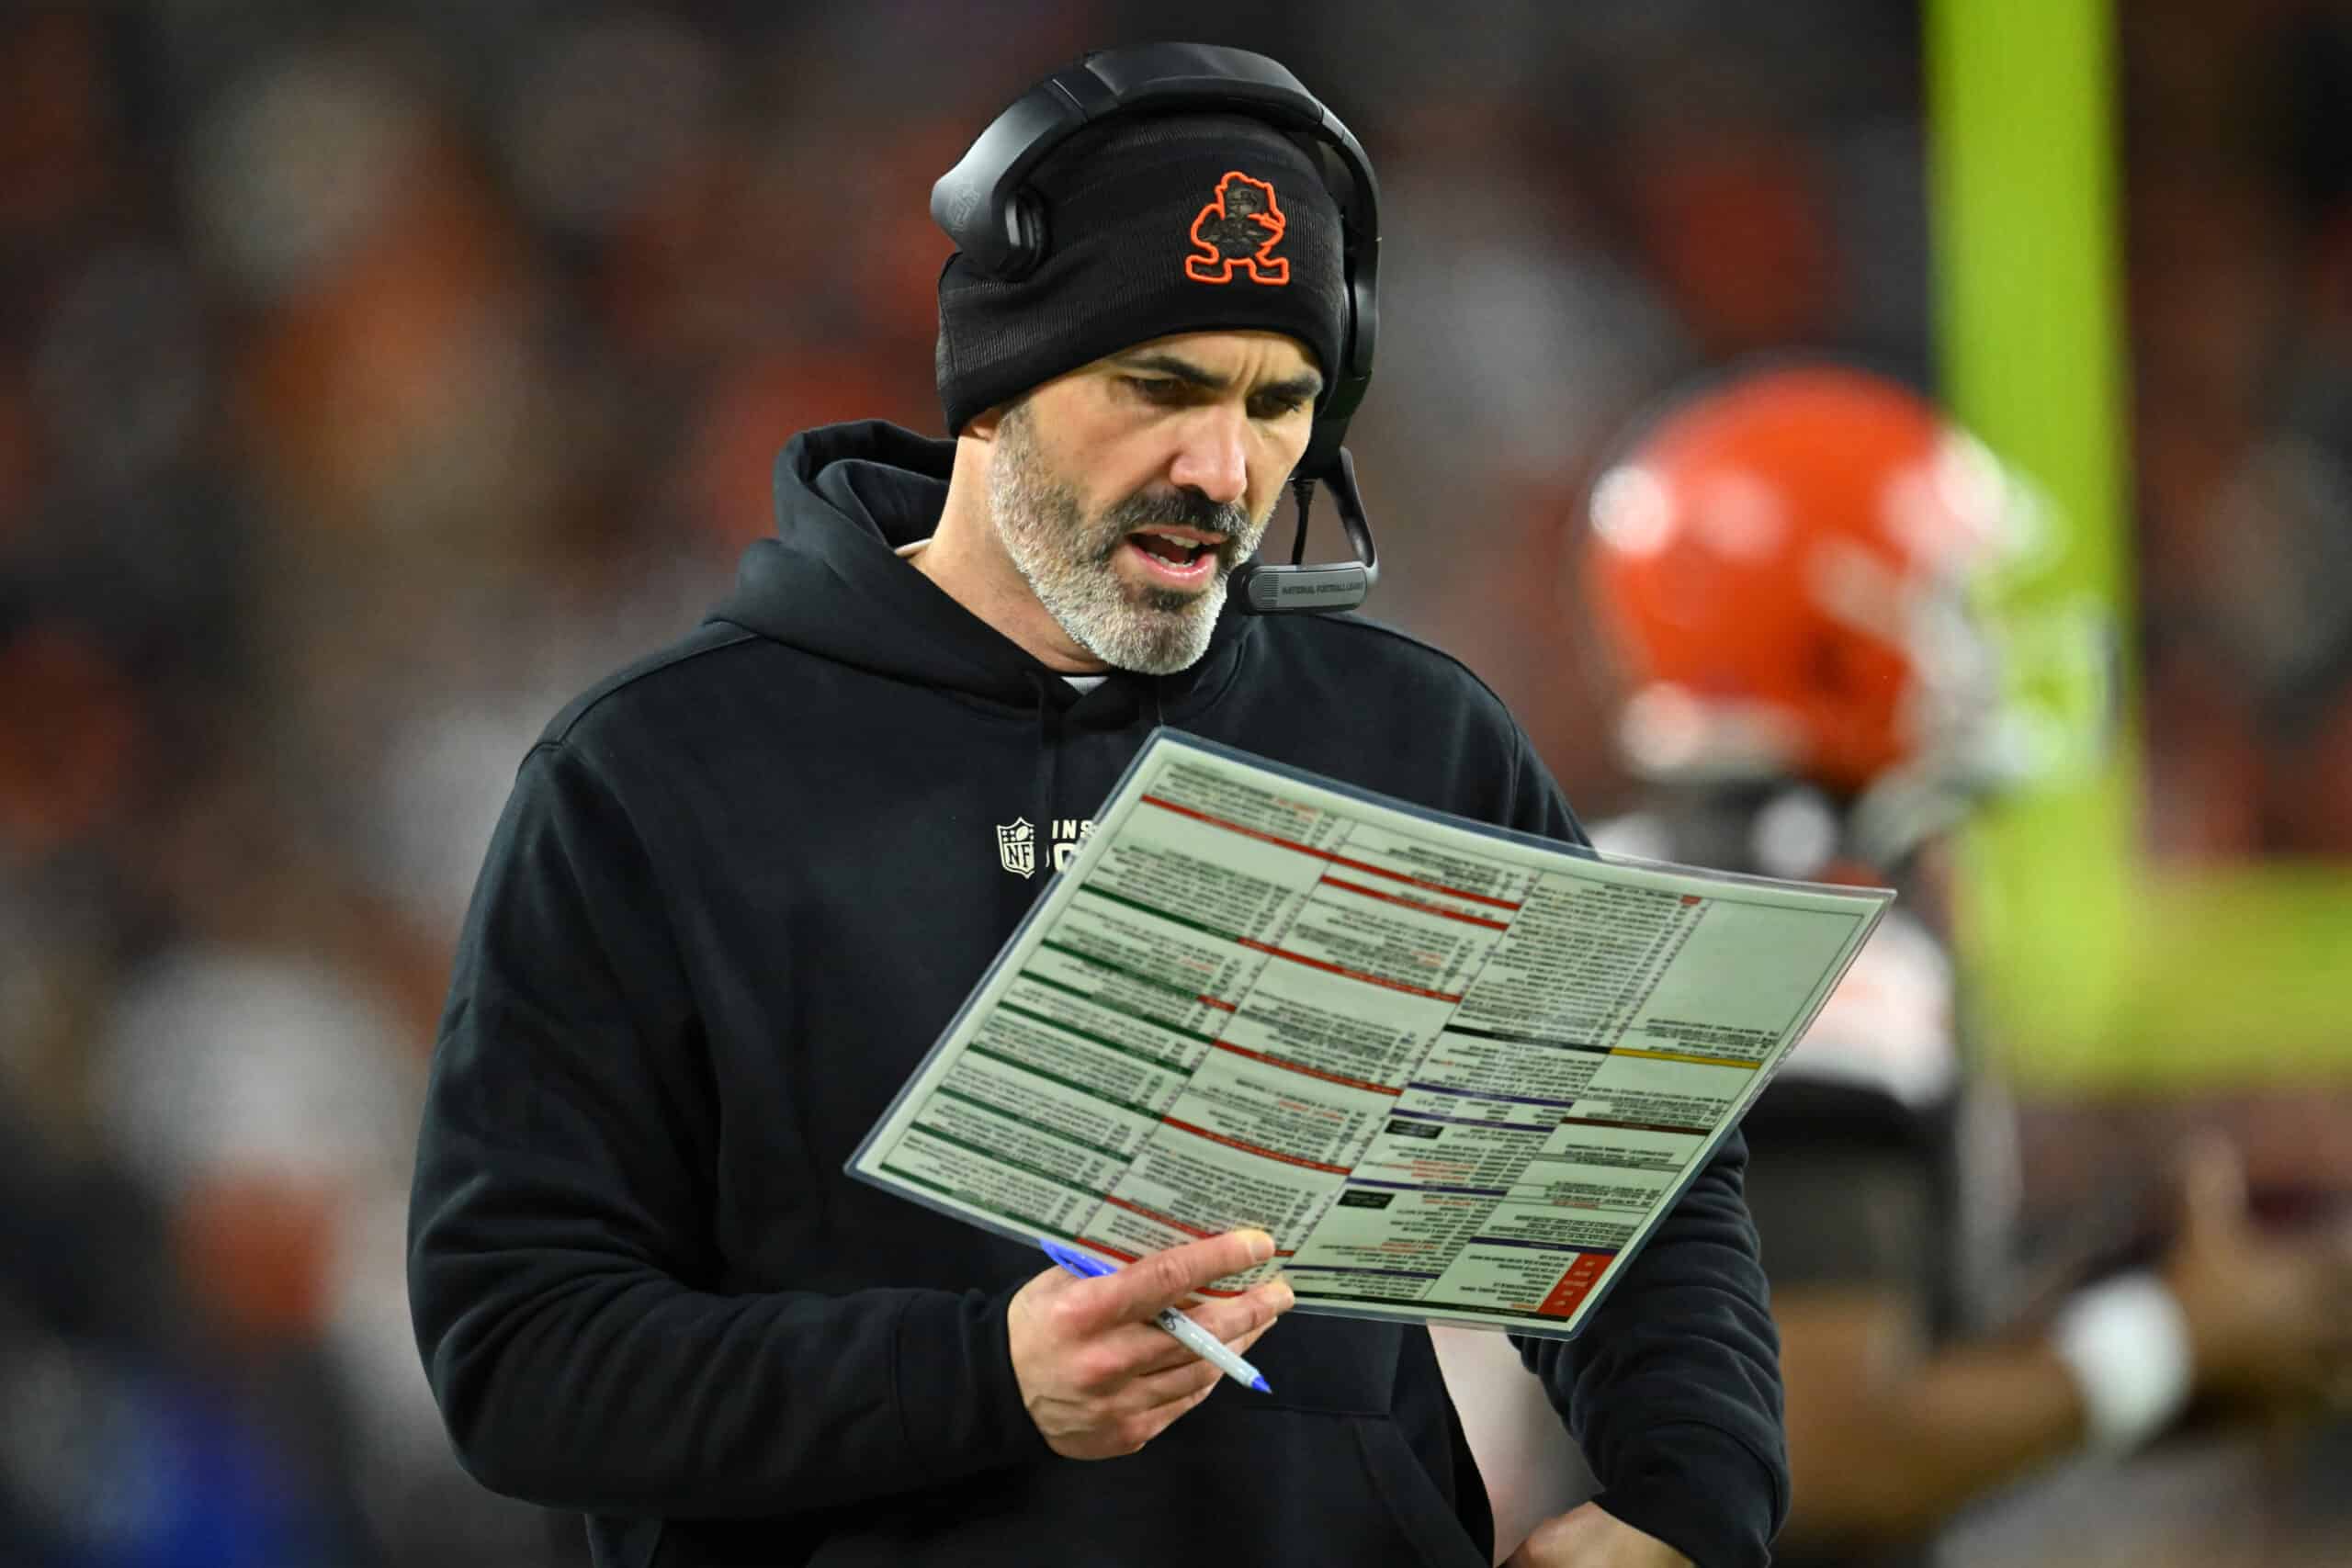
{"x":1783,"y":566}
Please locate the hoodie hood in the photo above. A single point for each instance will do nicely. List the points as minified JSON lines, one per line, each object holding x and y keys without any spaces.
{"x":848,"y":497}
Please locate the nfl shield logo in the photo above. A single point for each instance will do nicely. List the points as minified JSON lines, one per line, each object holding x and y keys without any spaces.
{"x":1016,"y":846}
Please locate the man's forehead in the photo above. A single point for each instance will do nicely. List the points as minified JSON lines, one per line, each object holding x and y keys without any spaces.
{"x":1261,"y":356}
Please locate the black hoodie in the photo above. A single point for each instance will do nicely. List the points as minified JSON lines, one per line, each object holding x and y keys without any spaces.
{"x":738,"y":892}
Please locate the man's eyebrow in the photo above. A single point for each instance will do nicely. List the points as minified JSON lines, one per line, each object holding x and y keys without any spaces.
{"x":1306,"y":386}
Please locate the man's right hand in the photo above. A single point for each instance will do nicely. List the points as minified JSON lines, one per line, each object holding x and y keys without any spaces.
{"x":1097,"y":1376}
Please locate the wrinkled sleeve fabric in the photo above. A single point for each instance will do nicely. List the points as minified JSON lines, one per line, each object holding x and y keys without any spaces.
{"x":558,"y":1228}
{"x":1673,"y":1387}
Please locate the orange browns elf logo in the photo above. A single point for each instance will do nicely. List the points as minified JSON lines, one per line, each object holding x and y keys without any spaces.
{"x":1237,"y":232}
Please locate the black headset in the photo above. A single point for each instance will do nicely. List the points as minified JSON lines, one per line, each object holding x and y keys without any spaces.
{"x":1001,"y":227}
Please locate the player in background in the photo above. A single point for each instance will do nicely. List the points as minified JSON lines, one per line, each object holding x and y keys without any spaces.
{"x":1788,"y":569}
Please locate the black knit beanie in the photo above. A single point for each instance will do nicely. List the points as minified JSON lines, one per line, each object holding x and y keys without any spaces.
{"x":1174,"y":223}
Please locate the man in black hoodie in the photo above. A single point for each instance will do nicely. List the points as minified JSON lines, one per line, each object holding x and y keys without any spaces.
{"x":742,"y":887}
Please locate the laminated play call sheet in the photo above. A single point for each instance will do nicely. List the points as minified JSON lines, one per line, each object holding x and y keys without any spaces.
{"x":1458,"y":1073}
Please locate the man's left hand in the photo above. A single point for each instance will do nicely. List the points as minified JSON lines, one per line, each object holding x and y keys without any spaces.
{"x":1589,"y":1535}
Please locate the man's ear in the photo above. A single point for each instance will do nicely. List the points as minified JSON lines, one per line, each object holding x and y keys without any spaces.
{"x":982,"y":426}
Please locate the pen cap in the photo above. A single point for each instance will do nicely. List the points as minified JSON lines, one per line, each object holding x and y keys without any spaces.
{"x":1077,"y":1262}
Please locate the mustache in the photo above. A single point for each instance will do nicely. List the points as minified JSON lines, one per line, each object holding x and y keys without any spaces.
{"x":1178,"y":508}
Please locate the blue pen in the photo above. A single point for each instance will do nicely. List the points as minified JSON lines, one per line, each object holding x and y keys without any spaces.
{"x":1191,"y":1335}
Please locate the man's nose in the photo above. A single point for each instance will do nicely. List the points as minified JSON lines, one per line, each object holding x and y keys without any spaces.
{"x":1215,"y":457}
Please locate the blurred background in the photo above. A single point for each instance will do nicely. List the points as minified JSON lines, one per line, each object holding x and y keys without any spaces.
{"x":373,"y":376}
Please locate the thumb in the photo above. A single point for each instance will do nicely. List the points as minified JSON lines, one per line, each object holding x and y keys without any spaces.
{"x":2211,"y":1178}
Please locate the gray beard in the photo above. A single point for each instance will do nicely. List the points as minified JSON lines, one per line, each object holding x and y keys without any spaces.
{"x":1067,"y":559}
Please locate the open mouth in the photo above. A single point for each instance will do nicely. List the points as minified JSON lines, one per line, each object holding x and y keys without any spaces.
{"x":1178,"y":558}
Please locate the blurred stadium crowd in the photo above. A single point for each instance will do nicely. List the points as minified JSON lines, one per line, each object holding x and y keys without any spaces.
{"x":373,"y":376}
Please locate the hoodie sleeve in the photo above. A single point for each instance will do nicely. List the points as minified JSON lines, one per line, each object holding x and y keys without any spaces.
{"x":1673,"y":1387}
{"x":557,"y":1226}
